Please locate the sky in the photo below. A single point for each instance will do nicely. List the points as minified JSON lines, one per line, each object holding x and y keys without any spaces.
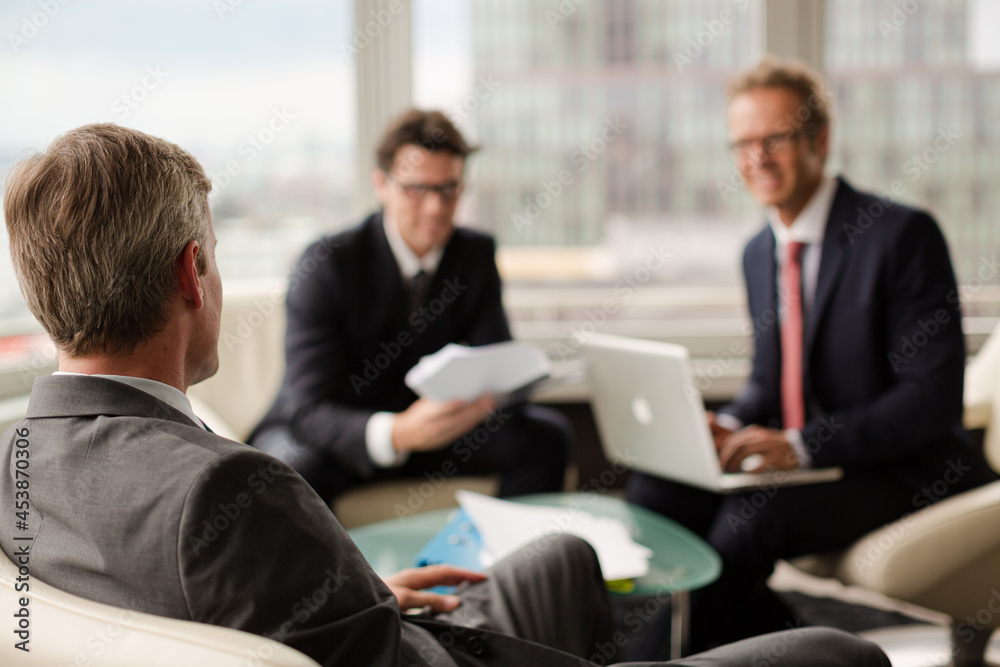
{"x":203,"y":73}
{"x":207,"y":75}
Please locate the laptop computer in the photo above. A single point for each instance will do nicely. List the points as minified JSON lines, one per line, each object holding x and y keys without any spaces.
{"x":650,"y":416}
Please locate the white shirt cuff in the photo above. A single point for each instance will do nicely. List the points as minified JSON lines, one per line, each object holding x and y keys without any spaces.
{"x":728,"y":421}
{"x":794,"y":437}
{"x":378,"y":441}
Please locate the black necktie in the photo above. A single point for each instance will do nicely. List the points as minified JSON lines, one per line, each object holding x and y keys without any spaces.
{"x":417,"y":289}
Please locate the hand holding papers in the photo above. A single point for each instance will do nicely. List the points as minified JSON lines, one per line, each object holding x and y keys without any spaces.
{"x":465,"y":373}
{"x":506,"y":527}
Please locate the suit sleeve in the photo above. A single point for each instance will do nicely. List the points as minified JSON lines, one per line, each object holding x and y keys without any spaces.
{"x":260,"y":552}
{"x":315,"y":354}
{"x":489,"y":321}
{"x":925,"y":353}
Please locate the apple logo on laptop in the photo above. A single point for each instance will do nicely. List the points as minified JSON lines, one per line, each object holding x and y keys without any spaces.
{"x":642,"y":411}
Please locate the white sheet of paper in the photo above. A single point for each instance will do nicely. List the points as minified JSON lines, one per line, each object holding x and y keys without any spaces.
{"x":507,"y":527}
{"x":462,"y":372}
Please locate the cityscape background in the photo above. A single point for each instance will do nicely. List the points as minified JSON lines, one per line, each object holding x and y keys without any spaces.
{"x":622,"y":98}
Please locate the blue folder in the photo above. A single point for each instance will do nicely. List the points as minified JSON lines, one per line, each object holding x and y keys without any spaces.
{"x":457,"y":543}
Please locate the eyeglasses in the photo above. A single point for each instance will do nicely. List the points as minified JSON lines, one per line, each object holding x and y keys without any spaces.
{"x":448,"y":192}
{"x":771,"y":144}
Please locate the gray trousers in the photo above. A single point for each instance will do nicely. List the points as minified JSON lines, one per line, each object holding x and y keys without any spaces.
{"x":552,"y":593}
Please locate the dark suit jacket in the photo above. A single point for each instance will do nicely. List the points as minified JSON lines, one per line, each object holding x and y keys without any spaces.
{"x":884,"y":356}
{"x":133,"y":505}
{"x":351,"y":340}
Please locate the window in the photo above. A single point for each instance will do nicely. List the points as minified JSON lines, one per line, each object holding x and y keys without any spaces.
{"x":261,"y":93}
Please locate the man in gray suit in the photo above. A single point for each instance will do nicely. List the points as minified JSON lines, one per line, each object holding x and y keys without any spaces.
{"x":131,"y":501}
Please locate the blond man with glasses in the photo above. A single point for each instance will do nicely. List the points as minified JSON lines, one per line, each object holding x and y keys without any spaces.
{"x":858,"y":362}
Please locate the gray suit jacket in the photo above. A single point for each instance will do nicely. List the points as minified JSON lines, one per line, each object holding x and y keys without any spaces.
{"x":135,"y":506}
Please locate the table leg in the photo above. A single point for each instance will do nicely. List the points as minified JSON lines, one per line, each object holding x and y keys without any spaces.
{"x":680,"y":625}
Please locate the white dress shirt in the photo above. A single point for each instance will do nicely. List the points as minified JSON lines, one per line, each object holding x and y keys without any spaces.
{"x":378,"y":430}
{"x":172,"y":396}
{"x":808,"y":227}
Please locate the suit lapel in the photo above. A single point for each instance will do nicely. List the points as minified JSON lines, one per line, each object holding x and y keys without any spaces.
{"x":765,"y":282}
{"x":831,"y":264}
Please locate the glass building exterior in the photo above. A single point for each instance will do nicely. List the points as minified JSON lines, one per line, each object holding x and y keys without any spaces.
{"x":602,"y":109}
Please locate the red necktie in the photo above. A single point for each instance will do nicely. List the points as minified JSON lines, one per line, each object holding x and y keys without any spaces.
{"x":793,"y":406}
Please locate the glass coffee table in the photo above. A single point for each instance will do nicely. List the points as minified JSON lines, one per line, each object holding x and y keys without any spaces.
{"x":681,"y":560}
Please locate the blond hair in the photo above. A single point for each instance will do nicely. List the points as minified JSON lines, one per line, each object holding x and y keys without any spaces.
{"x":794,"y":75}
{"x":96,"y":223}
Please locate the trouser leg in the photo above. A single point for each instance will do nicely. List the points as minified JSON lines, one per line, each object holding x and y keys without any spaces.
{"x":816,"y":647}
{"x":750,"y":531}
{"x":552,"y":592}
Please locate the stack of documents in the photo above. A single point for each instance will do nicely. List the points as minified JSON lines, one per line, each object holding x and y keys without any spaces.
{"x":506,"y":527}
{"x":466,"y":373}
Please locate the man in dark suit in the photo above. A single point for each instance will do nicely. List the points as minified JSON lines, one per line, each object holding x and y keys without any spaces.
{"x":365,"y":305}
{"x":127,"y":499}
{"x":858,"y":362}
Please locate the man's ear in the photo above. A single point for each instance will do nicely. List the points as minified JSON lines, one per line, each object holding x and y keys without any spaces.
{"x":186,"y":268}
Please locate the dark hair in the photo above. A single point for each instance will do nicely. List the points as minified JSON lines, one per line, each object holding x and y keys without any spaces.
{"x":431,"y":130}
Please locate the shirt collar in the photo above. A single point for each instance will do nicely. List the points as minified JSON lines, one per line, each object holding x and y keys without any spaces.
{"x":172,"y":396}
{"x":409,"y":263}
{"x":810,"y":224}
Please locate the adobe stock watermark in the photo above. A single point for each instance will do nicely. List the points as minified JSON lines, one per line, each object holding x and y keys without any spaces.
{"x":634,"y":620}
{"x":227,"y":513}
{"x":752,"y":503}
{"x":482,"y":91}
{"x":695,"y":45}
{"x":626,"y":287}
{"x":223,"y":7}
{"x":774,"y":653}
{"x":33,"y":24}
{"x":988,"y":269}
{"x":101,"y":639}
{"x":722,"y":362}
{"x":910,"y":345}
{"x":463,"y":450}
{"x":43,"y":359}
{"x":875,"y":548}
{"x":130,"y":100}
{"x":301,"y":612}
{"x":250,"y":148}
{"x":900,"y":14}
{"x":374,"y":24}
{"x":585,"y":155}
{"x":973,"y":626}
{"x":559,"y":15}
{"x":419,"y":321}
{"x":563,"y":517}
{"x":915,"y":168}
{"x":265,"y":307}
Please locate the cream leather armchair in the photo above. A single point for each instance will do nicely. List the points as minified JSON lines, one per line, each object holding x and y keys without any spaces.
{"x":69,"y":630}
{"x":945,"y":557}
{"x":251,"y":365}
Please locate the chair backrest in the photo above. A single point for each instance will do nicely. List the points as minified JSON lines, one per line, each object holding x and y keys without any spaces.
{"x":68,"y":630}
{"x":982,"y":395}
